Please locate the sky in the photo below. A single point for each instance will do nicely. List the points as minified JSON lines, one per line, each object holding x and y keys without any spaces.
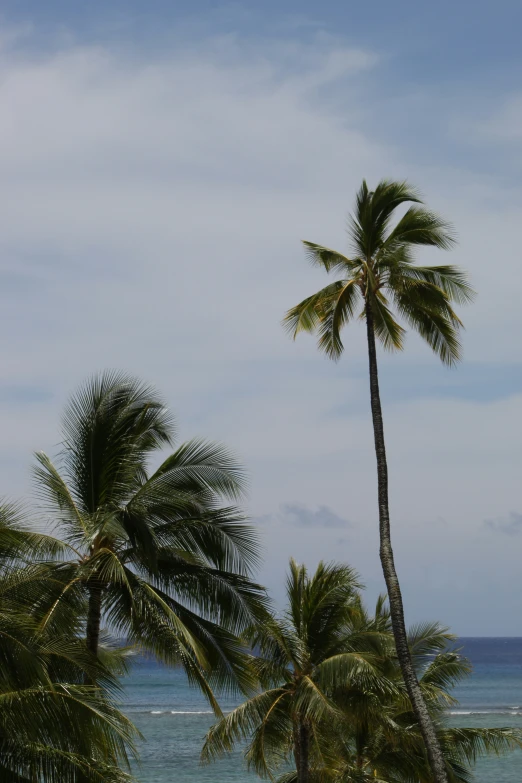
{"x":159,"y":165}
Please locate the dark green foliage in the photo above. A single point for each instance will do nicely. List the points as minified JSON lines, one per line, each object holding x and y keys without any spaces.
{"x":154,"y":554}
{"x":381,"y":274}
{"x":331,"y":667}
{"x":54,"y":727}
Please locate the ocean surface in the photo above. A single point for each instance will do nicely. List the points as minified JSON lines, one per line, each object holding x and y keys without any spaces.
{"x":174,"y":718}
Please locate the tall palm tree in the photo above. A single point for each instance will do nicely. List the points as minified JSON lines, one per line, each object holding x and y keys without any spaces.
{"x":333,"y":703}
{"x":154,"y":553}
{"x":53,"y":726}
{"x":379,"y":276}
{"x":316,"y":646}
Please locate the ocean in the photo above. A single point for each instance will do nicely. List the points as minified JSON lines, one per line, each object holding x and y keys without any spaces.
{"x":174,"y":718}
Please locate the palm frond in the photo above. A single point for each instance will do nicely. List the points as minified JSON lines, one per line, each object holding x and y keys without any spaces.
{"x":339,"y":669}
{"x":452,"y":280}
{"x":387,"y":330}
{"x":307,"y":316}
{"x":109,"y":427}
{"x":339,"y":311}
{"x":373,"y":210}
{"x":419,"y":226}
{"x":52,"y":489}
{"x":201,"y":466}
{"x":239,"y":724}
{"x":469,"y":744}
{"x":327,"y":258}
{"x":444,"y":672}
{"x":429,"y":313}
{"x":427,"y":639}
{"x":20,"y":544}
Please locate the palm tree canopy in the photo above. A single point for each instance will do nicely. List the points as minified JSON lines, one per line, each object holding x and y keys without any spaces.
{"x":53,"y":726}
{"x":169,"y":553}
{"x":314,"y":647}
{"x":380,"y":277}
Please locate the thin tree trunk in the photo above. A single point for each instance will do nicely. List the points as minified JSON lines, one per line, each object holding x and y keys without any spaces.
{"x":427,"y":728}
{"x":301,"y":752}
{"x":94,"y":617}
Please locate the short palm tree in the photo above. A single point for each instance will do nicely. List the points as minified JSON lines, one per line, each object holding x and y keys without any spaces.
{"x":153,"y":553}
{"x":53,"y":726}
{"x":316,"y":646}
{"x":381,"y":276}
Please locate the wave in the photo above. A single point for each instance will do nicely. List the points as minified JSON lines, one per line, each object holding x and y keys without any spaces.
{"x":490,"y":711}
{"x":516,"y":710}
{"x":177,"y":712}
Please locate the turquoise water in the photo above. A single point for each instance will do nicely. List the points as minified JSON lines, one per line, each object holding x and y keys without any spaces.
{"x":174,"y":718}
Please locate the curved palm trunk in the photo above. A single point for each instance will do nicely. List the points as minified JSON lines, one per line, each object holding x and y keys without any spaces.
{"x":94,"y":617}
{"x":427,"y":728}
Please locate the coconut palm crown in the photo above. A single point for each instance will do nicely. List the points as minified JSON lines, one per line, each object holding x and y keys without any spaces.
{"x":381,"y":277}
{"x":153,"y":553}
{"x":315,"y":646}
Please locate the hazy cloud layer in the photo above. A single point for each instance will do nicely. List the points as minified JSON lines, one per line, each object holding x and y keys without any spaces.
{"x":152,"y":207}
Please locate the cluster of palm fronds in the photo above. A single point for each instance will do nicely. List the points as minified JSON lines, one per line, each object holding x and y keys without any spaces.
{"x":59,"y":721}
{"x":155,"y":556}
{"x":333,"y":707}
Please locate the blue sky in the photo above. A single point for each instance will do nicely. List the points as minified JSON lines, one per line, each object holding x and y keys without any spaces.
{"x":159,"y":164}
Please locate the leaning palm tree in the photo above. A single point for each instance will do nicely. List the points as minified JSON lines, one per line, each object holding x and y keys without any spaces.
{"x":53,"y":726}
{"x":378,"y":277}
{"x":316,"y":646}
{"x":154,"y":554}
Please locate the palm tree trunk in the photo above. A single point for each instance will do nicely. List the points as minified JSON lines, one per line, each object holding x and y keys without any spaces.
{"x":94,"y":617}
{"x":433,"y":749}
{"x":301,"y":752}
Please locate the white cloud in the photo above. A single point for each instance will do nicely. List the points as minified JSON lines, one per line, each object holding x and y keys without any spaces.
{"x":151,"y":217}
